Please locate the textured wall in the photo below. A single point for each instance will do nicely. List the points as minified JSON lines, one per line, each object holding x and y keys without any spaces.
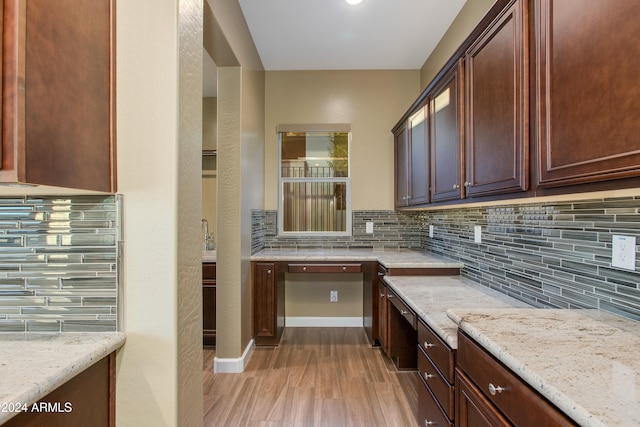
{"x":189,"y":327}
{"x":58,"y":269}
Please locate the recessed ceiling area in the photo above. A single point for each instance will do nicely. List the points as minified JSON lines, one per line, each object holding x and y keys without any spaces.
{"x":334,"y":35}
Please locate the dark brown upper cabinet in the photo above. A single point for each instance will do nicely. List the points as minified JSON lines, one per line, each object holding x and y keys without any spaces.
{"x":497,"y":109}
{"x":412,"y":160}
{"x":401,"y":161}
{"x":58,"y":95}
{"x":446,"y":135}
{"x":588,"y":90}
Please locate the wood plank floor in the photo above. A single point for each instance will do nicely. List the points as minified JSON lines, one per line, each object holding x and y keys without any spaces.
{"x":315,"y":377}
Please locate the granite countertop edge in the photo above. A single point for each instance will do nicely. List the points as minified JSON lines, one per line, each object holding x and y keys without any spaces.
{"x":78,"y":351}
{"x":397,"y":258}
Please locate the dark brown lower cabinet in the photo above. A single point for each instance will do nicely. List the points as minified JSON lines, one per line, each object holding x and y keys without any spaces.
{"x":436,"y":361}
{"x":402,"y":333}
{"x":473,"y":409}
{"x":485,"y":388}
{"x":268,"y":303}
{"x":88,"y":399}
{"x":209,"y":304}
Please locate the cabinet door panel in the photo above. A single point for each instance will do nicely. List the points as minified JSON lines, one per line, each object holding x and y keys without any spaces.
{"x":587,"y":95}
{"x":265,"y":304}
{"x":497,"y":135}
{"x":445,"y":137}
{"x":472,"y":408}
{"x":419,"y":155}
{"x":401,"y":158}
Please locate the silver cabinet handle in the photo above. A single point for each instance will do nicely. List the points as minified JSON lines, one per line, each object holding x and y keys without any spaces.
{"x":403,"y":312}
{"x":467,"y":184}
{"x":427,"y":376}
{"x":268,"y":271}
{"x":344,"y":268}
{"x":456,"y":186}
{"x":380,"y":274}
{"x":427,"y":345}
{"x":493,"y":389}
{"x":304,"y":268}
{"x":428,"y":423}
{"x":390,"y":296}
{"x":381,"y":295}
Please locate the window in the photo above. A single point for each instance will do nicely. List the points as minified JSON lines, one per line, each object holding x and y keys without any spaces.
{"x":315,"y":183}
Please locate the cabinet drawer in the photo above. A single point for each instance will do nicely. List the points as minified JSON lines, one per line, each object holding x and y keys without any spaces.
{"x":441,"y":389}
{"x":429,"y":412}
{"x":324,"y":268}
{"x":522,"y":405}
{"x":438,"y":351}
{"x":404,"y":309}
{"x":209,"y":271}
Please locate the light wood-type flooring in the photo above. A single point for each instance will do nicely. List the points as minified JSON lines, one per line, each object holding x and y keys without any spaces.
{"x":315,"y":377}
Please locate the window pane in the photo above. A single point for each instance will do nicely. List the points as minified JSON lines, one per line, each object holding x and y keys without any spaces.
{"x":315,"y":155}
{"x":315,"y":206}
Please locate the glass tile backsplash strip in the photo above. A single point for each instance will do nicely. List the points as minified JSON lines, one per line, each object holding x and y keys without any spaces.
{"x":392,"y":230}
{"x":58,"y":263}
{"x":555,"y":255}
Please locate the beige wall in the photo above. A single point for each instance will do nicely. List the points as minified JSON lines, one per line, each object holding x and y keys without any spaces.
{"x":209,"y":163}
{"x":460,"y":28}
{"x":372,"y":101}
{"x":239,"y":172}
{"x":307,"y":295}
{"x":159,"y":142}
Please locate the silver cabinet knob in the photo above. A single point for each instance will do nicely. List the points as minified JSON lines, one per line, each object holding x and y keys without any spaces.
{"x":467,"y":184}
{"x":456,"y":186}
{"x":403,"y":312}
{"x":344,"y":268}
{"x":427,"y":344}
{"x":428,"y":423}
{"x":493,"y":389}
{"x":268,"y":271}
{"x":304,"y":268}
{"x":427,"y":376}
{"x":381,"y":295}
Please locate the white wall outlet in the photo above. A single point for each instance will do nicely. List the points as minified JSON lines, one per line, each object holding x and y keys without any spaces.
{"x":333,"y":296}
{"x":623,"y":254}
{"x":477,"y":233}
{"x":431,"y":231}
{"x":369,"y":227}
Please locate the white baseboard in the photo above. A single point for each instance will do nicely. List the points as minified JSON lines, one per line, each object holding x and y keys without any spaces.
{"x":233,"y":365}
{"x":326,"y":322}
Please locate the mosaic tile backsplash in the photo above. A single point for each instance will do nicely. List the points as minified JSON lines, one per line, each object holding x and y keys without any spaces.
{"x":58,"y":263}
{"x":553,"y":255}
{"x":392,"y":230}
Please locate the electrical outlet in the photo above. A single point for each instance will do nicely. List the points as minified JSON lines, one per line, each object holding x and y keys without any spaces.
{"x":431,"y":231}
{"x":477,"y":233}
{"x":369,"y":227}
{"x":623,"y":253}
{"x":333,"y":296}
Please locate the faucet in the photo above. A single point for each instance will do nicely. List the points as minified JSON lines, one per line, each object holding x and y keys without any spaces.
{"x":208,"y":238}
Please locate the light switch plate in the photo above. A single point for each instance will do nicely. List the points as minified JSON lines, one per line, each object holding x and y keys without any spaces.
{"x":369,"y":227}
{"x":477,"y":233}
{"x":623,"y":254}
{"x":431,"y":231}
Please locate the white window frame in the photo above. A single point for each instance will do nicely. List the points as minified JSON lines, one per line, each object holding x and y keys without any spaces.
{"x":282,"y":181}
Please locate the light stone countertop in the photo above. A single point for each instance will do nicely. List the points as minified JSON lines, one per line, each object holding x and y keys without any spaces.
{"x":431,"y":296}
{"x":586,"y":362}
{"x":209,"y":256}
{"x":34,"y":364}
{"x":402,"y":258}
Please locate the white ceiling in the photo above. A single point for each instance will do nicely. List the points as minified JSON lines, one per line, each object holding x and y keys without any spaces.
{"x":332,"y":35}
